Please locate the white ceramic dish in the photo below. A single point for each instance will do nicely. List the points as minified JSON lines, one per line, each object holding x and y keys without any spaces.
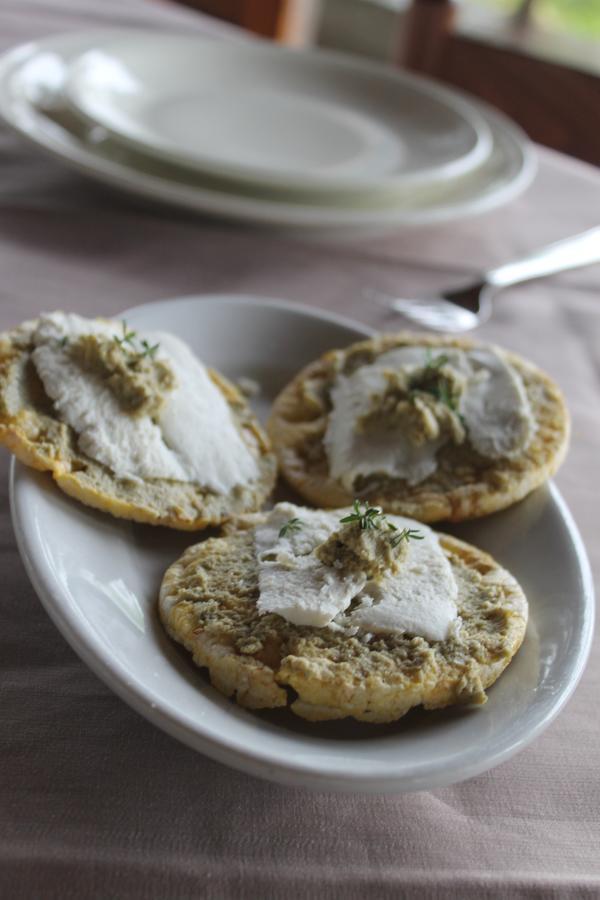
{"x":301,"y":120}
{"x":98,"y":579}
{"x":31,"y":79}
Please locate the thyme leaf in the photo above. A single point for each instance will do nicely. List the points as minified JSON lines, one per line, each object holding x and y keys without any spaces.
{"x":291,"y":526}
{"x":127,"y":337}
{"x":435,"y":383}
{"x":368,"y":517}
{"x":148,"y":350}
{"x":435,"y":362}
{"x":127,"y":342}
{"x":407,"y":534}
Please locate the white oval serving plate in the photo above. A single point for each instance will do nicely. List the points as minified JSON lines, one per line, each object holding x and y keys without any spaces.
{"x":31,"y":81}
{"x":98,"y":578}
{"x":255,"y":111}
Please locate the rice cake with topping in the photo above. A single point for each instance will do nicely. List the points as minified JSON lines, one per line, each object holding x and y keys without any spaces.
{"x":33,"y":426}
{"x":209,"y":603}
{"x":463,"y":482}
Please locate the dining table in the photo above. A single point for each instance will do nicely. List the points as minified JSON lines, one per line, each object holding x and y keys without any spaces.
{"x":96,"y":802}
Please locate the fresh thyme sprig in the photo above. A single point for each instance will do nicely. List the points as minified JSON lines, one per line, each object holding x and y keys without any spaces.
{"x":445,"y":397}
{"x":435,"y":362}
{"x":127,"y":341}
{"x":407,"y":534}
{"x":128,"y":337}
{"x":148,"y":350}
{"x":291,"y":526}
{"x":368,"y":517}
{"x":439,"y":388}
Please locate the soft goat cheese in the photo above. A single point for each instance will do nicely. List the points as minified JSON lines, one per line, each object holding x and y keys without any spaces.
{"x":419,"y":599}
{"x":353,"y":452}
{"x":193,"y":438}
{"x":494,"y":408}
{"x":293,"y":583}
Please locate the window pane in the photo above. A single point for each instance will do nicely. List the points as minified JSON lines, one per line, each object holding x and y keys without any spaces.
{"x":506,"y":6}
{"x":581,"y":17}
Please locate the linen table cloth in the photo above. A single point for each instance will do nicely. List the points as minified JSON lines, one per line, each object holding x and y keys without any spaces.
{"x":95,"y":801}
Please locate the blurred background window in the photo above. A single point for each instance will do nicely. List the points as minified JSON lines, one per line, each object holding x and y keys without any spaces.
{"x":565,"y":30}
{"x":536,"y":60}
{"x":577,"y":17}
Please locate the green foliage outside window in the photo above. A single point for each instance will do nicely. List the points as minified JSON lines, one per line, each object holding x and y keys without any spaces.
{"x":577,"y":17}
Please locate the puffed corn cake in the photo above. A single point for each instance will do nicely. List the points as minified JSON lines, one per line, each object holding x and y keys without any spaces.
{"x":209,"y":603}
{"x":32,"y":428}
{"x":465,"y":483}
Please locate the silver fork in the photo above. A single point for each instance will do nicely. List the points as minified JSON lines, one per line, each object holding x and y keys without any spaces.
{"x":466,"y":308}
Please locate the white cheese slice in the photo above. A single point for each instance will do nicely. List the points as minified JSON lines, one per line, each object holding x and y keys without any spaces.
{"x":194,"y":438}
{"x":196,"y":423}
{"x":420,"y":599}
{"x":494,"y":405}
{"x":293,"y":583}
{"x":386,"y":451}
{"x":130,"y":447}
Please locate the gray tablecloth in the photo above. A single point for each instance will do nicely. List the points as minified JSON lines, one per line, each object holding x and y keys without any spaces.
{"x":94,"y":801}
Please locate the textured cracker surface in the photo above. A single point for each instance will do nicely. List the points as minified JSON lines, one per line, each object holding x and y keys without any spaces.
{"x":465,"y":484}
{"x":30,"y":429}
{"x":208,"y":604}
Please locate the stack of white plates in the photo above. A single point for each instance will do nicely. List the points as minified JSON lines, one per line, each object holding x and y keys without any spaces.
{"x":255,"y":132}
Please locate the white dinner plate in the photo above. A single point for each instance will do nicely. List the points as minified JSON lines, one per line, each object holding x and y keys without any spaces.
{"x":31,"y":80}
{"x":98,"y":578}
{"x":300,"y":120}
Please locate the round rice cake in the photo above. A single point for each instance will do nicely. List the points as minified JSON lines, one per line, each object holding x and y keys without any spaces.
{"x":208,"y":603}
{"x":464,"y":485}
{"x":31,"y":429}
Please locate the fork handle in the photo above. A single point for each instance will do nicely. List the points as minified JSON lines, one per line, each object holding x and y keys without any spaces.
{"x":570,"y":253}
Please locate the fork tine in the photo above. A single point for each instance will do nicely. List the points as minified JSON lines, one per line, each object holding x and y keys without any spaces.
{"x":438,"y":316}
{"x":436,"y":313}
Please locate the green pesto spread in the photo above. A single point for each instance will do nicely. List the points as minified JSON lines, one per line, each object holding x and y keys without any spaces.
{"x":368,"y":550}
{"x":422,"y":402}
{"x":138,"y":380}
